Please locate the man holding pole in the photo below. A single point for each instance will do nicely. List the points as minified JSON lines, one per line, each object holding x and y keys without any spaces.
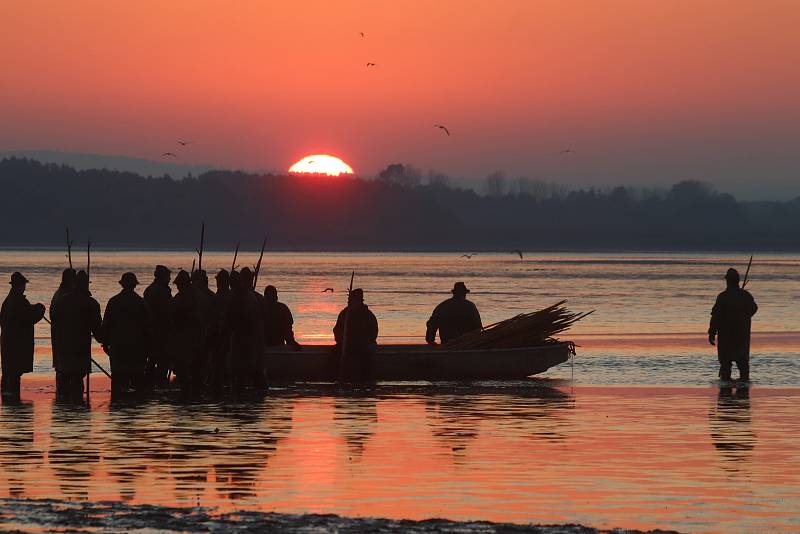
{"x":78,"y":317}
{"x":730,"y":327}
{"x":356,"y":334}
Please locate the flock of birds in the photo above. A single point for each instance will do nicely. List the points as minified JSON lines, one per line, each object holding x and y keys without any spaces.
{"x":173,"y":154}
{"x":515,"y":251}
{"x":370,"y":64}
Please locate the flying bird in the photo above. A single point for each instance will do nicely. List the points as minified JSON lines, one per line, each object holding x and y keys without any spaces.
{"x":443,"y":128}
{"x":362,"y":34}
{"x":468,"y":256}
{"x":183,"y":143}
{"x":328,"y":290}
{"x":370,"y":64}
{"x":567,"y":151}
{"x":169,"y":155}
{"x":517,"y":252}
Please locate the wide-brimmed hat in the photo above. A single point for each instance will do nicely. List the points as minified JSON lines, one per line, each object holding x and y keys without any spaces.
{"x":17,"y":278}
{"x":459,"y":287}
{"x":128,"y":280}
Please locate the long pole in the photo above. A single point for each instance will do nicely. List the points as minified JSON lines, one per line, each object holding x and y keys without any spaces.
{"x":88,"y":271}
{"x":258,"y":265}
{"x":747,"y":273}
{"x":343,"y":352}
{"x":235,"y":255}
{"x":202,"y":242}
{"x":69,"y":249}
{"x":93,"y":360}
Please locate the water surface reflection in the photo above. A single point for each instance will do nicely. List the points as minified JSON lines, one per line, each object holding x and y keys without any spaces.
{"x":524,"y":452}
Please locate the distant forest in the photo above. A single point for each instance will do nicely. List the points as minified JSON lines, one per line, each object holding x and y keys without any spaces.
{"x":397,"y":210}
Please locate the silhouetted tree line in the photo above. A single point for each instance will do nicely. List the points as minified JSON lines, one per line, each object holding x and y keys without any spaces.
{"x":398,"y":210}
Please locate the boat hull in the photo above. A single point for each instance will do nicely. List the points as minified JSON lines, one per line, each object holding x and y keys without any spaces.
{"x":417,"y":363}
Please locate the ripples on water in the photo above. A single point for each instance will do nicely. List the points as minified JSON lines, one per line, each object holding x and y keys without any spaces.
{"x":693,"y":459}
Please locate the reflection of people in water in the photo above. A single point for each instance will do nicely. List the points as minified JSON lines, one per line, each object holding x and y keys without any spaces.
{"x":729,"y":423}
{"x":356,"y":416}
{"x":72,"y":455}
{"x":456,"y":416}
{"x":18,"y":456}
{"x":135,"y":440}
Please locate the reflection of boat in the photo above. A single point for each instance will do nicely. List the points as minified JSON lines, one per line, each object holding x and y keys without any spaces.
{"x":419,"y":362}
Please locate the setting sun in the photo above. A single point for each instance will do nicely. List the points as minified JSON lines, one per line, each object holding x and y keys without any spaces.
{"x":321,"y":164}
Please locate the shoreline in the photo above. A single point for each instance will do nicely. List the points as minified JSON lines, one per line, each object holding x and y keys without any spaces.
{"x":112,"y":516}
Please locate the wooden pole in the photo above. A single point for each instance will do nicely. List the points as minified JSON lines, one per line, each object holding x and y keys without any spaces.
{"x":343,"y":352}
{"x":258,"y":265}
{"x":235,"y":255}
{"x":69,"y":249}
{"x":202,"y":242}
{"x":88,"y":271}
{"x":747,"y":273}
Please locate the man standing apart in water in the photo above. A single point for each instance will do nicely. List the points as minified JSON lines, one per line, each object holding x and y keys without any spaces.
{"x":730,"y":327}
{"x":454,"y":317}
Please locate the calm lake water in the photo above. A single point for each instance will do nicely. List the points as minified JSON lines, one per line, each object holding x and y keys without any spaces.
{"x":634,"y":434}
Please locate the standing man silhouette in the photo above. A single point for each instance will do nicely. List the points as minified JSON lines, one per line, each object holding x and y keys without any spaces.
{"x":17,"y":318}
{"x":730,"y":327}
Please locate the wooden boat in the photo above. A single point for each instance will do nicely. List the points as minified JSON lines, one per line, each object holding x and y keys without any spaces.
{"x":418,"y":363}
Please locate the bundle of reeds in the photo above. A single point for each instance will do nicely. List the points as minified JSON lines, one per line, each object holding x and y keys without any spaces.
{"x":523,"y":330}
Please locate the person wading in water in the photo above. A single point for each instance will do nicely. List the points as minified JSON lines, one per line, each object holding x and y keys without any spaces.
{"x":730,"y":327}
{"x":17,"y":318}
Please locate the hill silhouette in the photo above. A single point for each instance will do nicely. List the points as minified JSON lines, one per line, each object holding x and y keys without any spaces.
{"x":121,"y":209}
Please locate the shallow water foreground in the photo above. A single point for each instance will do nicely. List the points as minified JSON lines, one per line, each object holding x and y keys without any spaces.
{"x":540,"y":452}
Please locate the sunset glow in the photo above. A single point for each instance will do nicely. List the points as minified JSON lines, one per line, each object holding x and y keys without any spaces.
{"x":321,"y":164}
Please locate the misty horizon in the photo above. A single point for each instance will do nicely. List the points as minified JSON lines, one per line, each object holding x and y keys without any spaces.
{"x":757,"y":190}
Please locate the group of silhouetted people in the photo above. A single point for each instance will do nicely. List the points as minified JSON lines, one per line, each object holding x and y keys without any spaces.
{"x":206,"y":339}
{"x":210,"y":340}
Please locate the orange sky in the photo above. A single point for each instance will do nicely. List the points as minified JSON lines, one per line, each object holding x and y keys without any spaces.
{"x":642,"y":91}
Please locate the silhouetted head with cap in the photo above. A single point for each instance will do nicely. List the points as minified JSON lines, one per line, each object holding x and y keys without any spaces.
{"x":162,"y":275}
{"x":199,"y":279}
{"x":356,"y":297}
{"x":67,"y":278}
{"x":235,"y":280}
{"x":82,"y":282}
{"x":459,"y":290}
{"x":128,"y":281}
{"x":271,"y":294}
{"x":182,"y":280}
{"x":223,"y":280}
{"x":732,"y":278}
{"x":246,"y":278}
{"x":18,"y":281}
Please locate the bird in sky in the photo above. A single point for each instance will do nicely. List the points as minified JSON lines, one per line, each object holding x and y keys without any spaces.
{"x":328,"y":290}
{"x":517,"y":252}
{"x":567,"y":151}
{"x":183,"y":143}
{"x":443,"y":128}
{"x":169,"y":155}
{"x":370,"y":64}
{"x":362,"y":34}
{"x":468,"y":256}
